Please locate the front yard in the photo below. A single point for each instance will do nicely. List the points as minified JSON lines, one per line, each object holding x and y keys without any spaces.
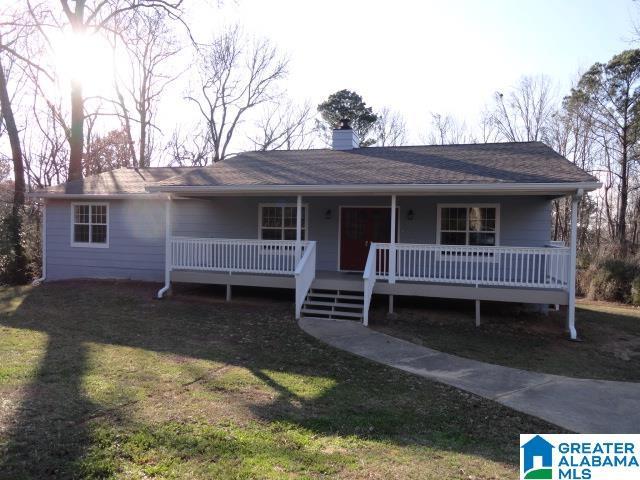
{"x":610,"y":348}
{"x":98,"y":380}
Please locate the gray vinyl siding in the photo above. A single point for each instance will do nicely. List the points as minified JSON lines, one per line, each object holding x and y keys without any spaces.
{"x":136,"y":229}
{"x":136,"y":243}
{"x":524,"y":221}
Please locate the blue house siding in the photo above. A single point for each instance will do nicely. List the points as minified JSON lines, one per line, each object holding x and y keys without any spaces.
{"x":136,"y":229}
{"x":136,"y":243}
{"x":524,"y":221}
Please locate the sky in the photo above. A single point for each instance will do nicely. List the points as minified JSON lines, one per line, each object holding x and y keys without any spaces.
{"x":427,"y":56}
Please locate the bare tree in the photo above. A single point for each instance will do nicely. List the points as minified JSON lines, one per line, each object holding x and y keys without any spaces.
{"x":236,"y":76}
{"x":390,"y":129}
{"x":150,"y":45}
{"x":487,"y":128}
{"x":193,"y":148}
{"x":285,"y":126}
{"x":521,"y":115}
{"x":18,"y":269}
{"x":83,"y":18}
{"x":46,"y":149}
{"x":446,"y":130}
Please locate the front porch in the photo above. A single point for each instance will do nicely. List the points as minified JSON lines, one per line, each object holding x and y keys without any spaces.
{"x":376,"y":262}
{"x":512,"y":274}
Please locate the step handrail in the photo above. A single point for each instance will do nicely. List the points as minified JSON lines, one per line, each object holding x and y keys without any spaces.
{"x":369,"y":277}
{"x":304,"y":274}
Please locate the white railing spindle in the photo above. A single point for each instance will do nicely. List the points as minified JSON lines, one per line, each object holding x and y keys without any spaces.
{"x":534,"y":267}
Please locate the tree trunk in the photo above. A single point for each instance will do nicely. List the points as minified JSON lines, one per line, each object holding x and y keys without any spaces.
{"x":127,"y":125}
{"x":623,"y":198}
{"x":19,"y":262}
{"x":76,"y":139}
{"x":556,"y":223}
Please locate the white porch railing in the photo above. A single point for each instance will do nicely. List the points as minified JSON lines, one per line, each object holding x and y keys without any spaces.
{"x":369,"y":277}
{"x":544,"y":267}
{"x":231,"y":255}
{"x":305,"y":273}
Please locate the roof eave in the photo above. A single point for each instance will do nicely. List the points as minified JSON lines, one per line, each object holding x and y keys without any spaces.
{"x":488,"y":188}
{"x":99,"y":196}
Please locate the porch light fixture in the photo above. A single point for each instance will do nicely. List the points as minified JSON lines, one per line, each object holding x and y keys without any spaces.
{"x":410,"y":214}
{"x":327,"y":214}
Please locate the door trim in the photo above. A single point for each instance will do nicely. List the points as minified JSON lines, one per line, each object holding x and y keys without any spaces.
{"x":340,"y":207}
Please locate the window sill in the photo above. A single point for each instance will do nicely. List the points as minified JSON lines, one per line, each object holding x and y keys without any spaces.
{"x":89,"y":245}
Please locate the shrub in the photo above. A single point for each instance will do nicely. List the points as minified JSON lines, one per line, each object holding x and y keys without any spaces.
{"x":30,"y":239}
{"x":635,"y":291}
{"x":610,"y":279}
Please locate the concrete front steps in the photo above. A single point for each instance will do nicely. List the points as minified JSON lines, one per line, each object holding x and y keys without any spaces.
{"x":333,"y":305}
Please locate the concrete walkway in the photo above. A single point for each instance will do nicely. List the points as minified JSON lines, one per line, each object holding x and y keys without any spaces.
{"x":583,"y":406}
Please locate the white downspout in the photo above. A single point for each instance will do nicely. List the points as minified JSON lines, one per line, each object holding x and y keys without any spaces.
{"x":167,"y":249}
{"x":43,"y":240}
{"x":571,"y":308}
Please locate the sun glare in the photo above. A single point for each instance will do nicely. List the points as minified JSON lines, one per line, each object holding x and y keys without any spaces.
{"x":87,"y":58}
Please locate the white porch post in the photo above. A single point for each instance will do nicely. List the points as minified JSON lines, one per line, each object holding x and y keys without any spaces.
{"x":571,"y":308}
{"x":167,"y":248}
{"x":298,"y":228}
{"x":392,"y":248}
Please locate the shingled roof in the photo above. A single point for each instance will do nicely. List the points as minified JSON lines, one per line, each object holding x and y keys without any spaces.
{"x":469,"y":164}
{"x":530,"y":162}
{"x":117,"y":182}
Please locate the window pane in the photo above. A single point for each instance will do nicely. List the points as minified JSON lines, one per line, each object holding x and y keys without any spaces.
{"x":353,"y":224}
{"x":271,"y":234}
{"x":81,"y":233}
{"x":453,"y":238}
{"x":289,"y":234}
{"x":290,"y":216}
{"x":99,"y":233}
{"x":271,"y":216}
{"x":488,"y":239}
{"x":81,"y":214}
{"x":99,"y":214}
{"x":482,"y":219}
{"x":453,"y":219}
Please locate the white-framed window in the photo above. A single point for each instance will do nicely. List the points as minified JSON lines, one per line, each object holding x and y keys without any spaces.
{"x":471,"y":224}
{"x":278,"y":221}
{"x":90,"y":225}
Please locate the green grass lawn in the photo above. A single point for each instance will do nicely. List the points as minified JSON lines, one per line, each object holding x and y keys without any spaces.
{"x":98,"y":380}
{"x":610,"y":348}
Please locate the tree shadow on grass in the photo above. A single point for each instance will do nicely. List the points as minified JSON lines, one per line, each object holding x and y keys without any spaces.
{"x":49,"y":437}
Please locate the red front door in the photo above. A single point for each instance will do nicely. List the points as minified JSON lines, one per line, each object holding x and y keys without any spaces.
{"x":358,"y":228}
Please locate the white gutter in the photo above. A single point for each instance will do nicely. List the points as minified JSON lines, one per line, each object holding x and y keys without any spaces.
{"x":485,"y":188}
{"x":43,"y":240}
{"x":98,"y":196}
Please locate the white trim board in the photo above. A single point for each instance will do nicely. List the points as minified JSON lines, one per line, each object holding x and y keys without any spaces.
{"x":386,"y":189}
